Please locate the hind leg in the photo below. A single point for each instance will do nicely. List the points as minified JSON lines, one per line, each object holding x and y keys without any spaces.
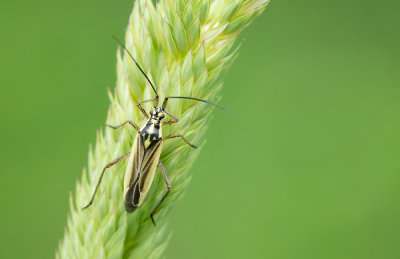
{"x":168,"y":183}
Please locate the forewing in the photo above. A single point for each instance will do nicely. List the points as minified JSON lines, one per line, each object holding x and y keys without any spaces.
{"x":141,"y":171}
{"x":149,"y":165}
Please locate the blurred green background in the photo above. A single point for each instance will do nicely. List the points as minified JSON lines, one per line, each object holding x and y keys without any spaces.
{"x":308,"y":167}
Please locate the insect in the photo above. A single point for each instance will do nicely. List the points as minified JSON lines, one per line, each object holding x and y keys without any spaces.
{"x":144,"y":157}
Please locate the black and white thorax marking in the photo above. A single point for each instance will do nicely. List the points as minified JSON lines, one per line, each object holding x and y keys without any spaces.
{"x":151,"y":132}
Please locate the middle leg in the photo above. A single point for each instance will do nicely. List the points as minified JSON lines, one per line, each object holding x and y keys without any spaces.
{"x":101,"y":177}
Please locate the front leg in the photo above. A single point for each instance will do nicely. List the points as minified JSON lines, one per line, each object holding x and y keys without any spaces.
{"x":122,"y":124}
{"x":175,"y":120}
{"x":139,"y":105}
{"x":179,"y":136}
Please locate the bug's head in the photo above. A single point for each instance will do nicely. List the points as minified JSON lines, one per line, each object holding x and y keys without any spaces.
{"x":157,"y":114}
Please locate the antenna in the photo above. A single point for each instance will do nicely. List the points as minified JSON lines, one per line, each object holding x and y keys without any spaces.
{"x":196,"y":99}
{"x":141,"y":70}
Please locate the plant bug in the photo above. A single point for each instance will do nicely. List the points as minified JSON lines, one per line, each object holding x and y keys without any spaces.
{"x":144,"y":157}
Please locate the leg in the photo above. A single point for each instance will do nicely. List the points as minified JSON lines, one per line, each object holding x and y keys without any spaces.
{"x":175,"y":120}
{"x":139,"y":105}
{"x":122,"y":124}
{"x":168,"y":183}
{"x":179,"y":136}
{"x":164,"y":105}
{"x":101,"y":177}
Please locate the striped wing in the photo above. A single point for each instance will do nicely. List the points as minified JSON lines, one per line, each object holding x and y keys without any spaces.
{"x":140,"y":172}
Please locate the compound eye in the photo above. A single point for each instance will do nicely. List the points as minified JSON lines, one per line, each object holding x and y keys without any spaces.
{"x":162,"y":116}
{"x":151,"y":112}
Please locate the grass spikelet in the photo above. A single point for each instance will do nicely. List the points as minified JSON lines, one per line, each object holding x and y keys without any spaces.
{"x":184,"y":47}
